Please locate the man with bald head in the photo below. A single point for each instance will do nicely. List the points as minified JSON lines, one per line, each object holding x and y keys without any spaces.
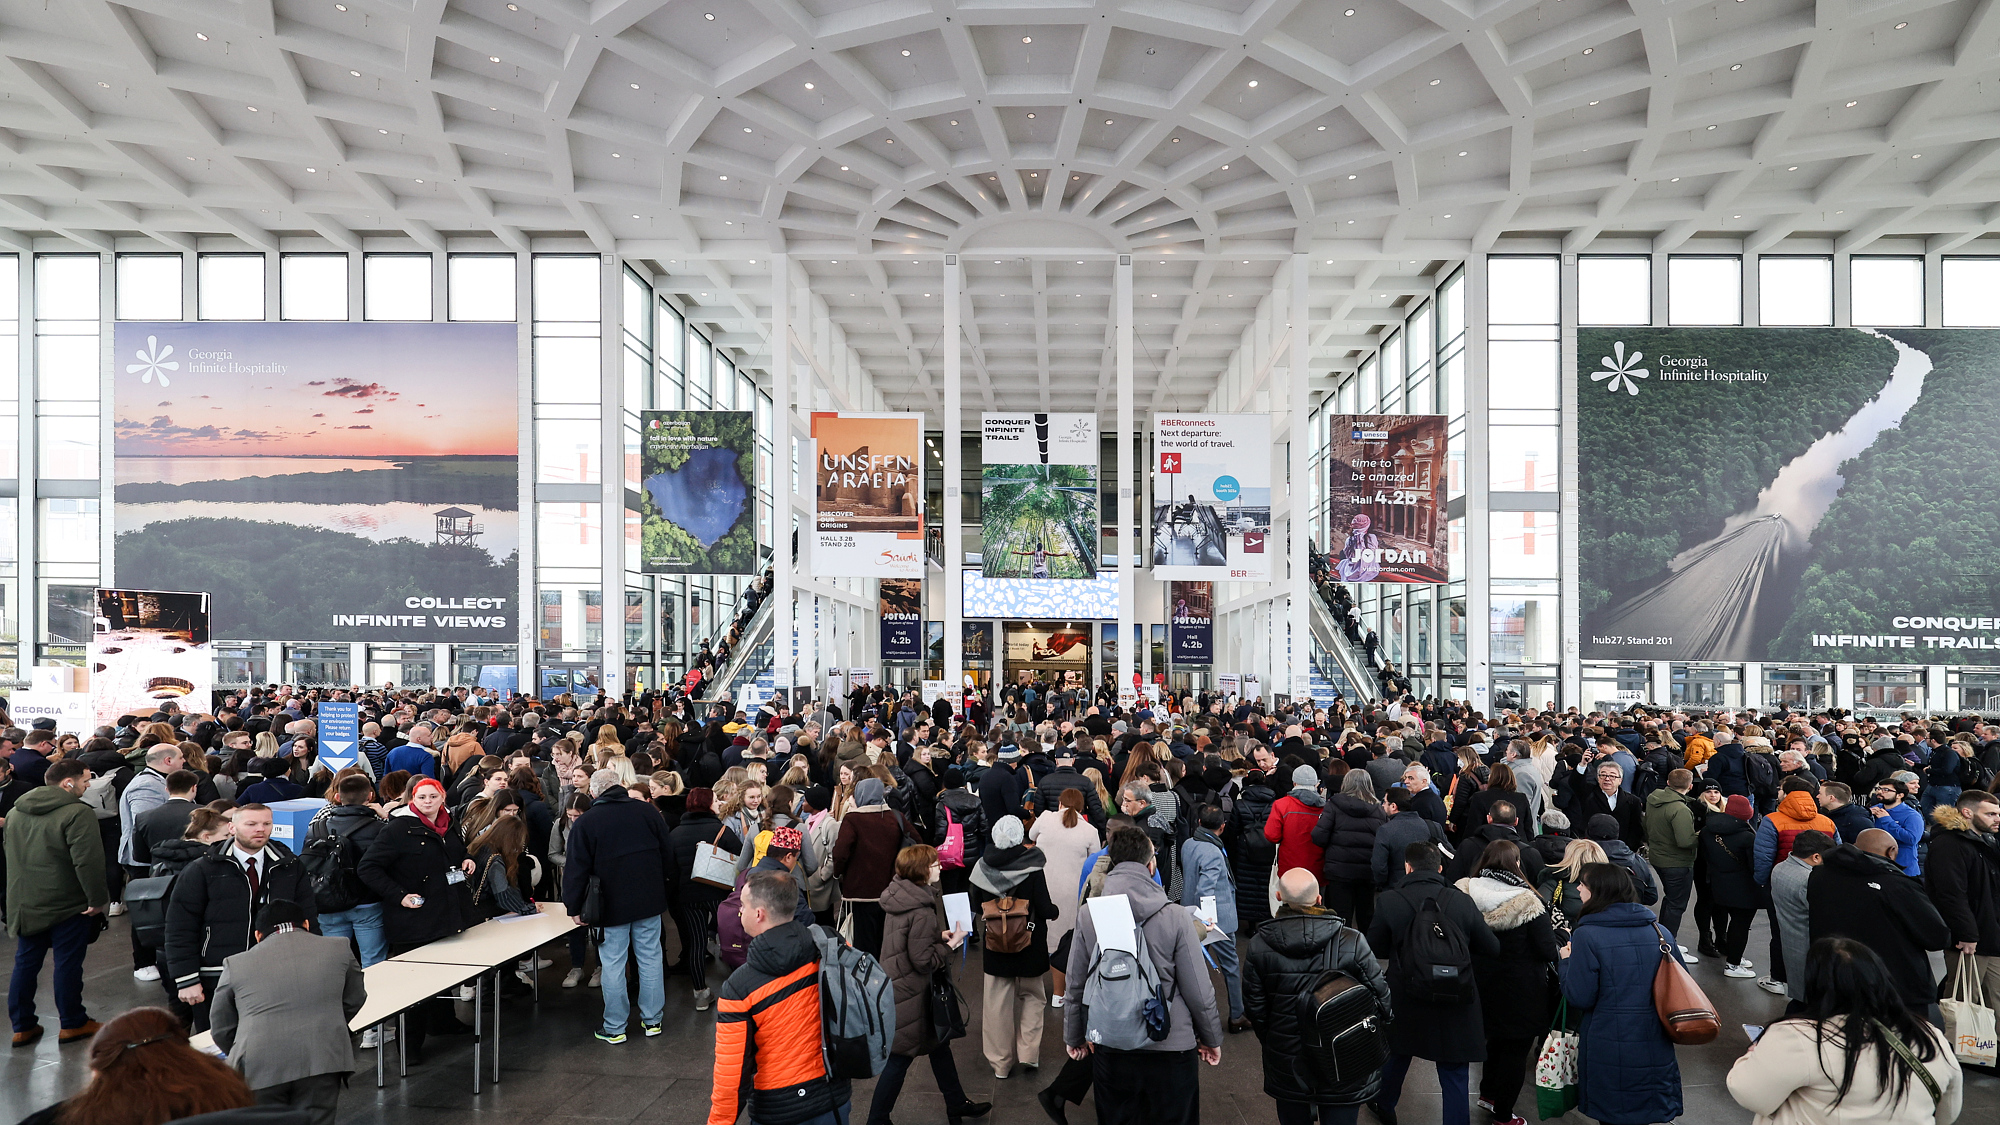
{"x":1860,"y":892}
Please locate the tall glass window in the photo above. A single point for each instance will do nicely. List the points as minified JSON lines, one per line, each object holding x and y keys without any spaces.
{"x":149,"y":287}
{"x":229,"y":286}
{"x":1614,"y":290}
{"x":1704,"y":289}
{"x":480,"y":286}
{"x":1972,"y":292}
{"x":1885,"y":292}
{"x":312,"y":286}
{"x":1795,"y":291}
{"x":396,"y":286}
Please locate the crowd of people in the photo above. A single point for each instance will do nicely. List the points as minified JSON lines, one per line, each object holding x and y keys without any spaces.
{"x":1159,"y":878}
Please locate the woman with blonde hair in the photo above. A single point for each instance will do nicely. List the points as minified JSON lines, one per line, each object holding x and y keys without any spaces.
{"x":1067,"y":839}
{"x":1559,"y":881}
{"x":265,"y":745}
{"x":1096,"y":777}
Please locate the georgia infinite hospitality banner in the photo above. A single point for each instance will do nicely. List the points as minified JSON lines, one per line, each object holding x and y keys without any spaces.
{"x":1191,"y":622}
{"x":901,"y":602}
{"x":1788,"y":494}
{"x":1038,"y":495}
{"x":149,"y":647}
{"x":1387,"y":478}
{"x":341,"y":481}
{"x":697,"y":476}
{"x":1212,"y":496}
{"x":869,"y":519}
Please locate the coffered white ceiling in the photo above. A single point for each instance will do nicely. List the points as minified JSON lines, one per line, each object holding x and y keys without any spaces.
{"x":1211,"y":139}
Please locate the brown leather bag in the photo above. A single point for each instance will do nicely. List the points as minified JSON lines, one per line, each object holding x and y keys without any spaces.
{"x":1683,"y":1007}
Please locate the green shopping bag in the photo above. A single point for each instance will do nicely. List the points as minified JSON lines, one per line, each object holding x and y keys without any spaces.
{"x":1556,"y":1068}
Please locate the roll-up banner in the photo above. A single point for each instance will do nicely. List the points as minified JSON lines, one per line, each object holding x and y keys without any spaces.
{"x":1387,"y":480}
{"x":697,"y":477}
{"x":1038,"y":496}
{"x":1212,"y":496}
{"x":1191,"y":623}
{"x":1809,"y":495}
{"x":149,"y":647}
{"x":868,"y":519}
{"x":902,"y":611}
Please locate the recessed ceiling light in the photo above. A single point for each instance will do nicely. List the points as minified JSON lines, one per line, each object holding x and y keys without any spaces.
{"x":1711,"y":126}
{"x":1437,"y":81}
{"x":1675,"y":180}
{"x":1322,"y":129}
{"x":617,"y":155}
{"x":1851,"y":105}
{"x":251,"y":108}
{"x":340,"y":7}
{"x":707,"y":16}
{"x":1176,"y":140}
{"x":312,"y":169}
{"x":1076,"y":177}
{"x":1034,"y":175}
{"x":1735,"y":216}
{"x":1593,"y":103}
{"x":1916,"y":156}
{"x":1901,"y":26}
{"x":1225,"y":167}
{"x":1462,"y":152}
{"x":420,"y":181}
{"x":1027,"y":39}
{"x":725,"y":177}
{"x":746,"y":128}
{"x":1447,"y":214}
{"x":954,"y":122}
{"x":1350,"y":176}
{"x":354,"y":74}
{"x":1840,"y":212}
{"x":1736,"y":66}
{"x":1108,"y":121}
{"x":513,"y":7}
{"x":635,"y":216}
{"x":104,"y":85}
{"x":190,"y":158}
{"x":493,"y":58}
{"x":1253,"y":83}
{"x":201,"y":36}
{"x":1793,"y":168}
{"x":1588,"y":50}
{"x":809,"y":85}
{"x":888,"y":140}
{"x":1348,"y":12}
{"x":843,"y":168}
{"x":1031,"y":117}
{"x":634,"y":85}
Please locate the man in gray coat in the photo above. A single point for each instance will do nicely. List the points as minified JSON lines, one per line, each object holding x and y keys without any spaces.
{"x":1794,"y":912}
{"x":281,"y":1011}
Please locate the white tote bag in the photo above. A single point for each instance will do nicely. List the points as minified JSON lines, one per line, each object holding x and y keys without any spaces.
{"x":1968,"y":1022}
{"x":713,"y":865}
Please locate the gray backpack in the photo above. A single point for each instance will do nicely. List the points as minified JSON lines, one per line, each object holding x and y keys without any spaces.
{"x":857,"y":1009}
{"x":1127,"y":1008}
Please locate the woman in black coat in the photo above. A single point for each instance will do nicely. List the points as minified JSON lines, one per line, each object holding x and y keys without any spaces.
{"x":1346,"y":829}
{"x":1729,"y":846}
{"x":1250,"y":854}
{"x":695,"y":903}
{"x":1284,"y":959}
{"x":1513,"y":986}
{"x":419,"y":867}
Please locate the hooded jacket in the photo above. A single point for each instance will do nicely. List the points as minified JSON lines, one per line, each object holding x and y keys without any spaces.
{"x":55,"y":860}
{"x":864,"y":854}
{"x":1964,"y":879}
{"x":913,"y":948}
{"x":1018,"y":872}
{"x":1513,"y":984}
{"x":408,"y":858}
{"x":624,"y":842}
{"x":1857,"y":895}
{"x":1474,"y":845}
{"x":1285,"y":957}
{"x":1250,"y":854}
{"x":1725,"y":768}
{"x":1291,"y":825}
{"x":1346,"y":830}
{"x":1447,"y":1033}
{"x":1175,"y":944}
{"x":1727,"y":845}
{"x":1670,"y":833}
{"x":1797,"y":812}
{"x":767,"y":1036}
{"x":966,"y":811}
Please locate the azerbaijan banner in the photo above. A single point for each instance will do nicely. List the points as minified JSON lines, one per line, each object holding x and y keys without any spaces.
{"x":1212,"y":496}
{"x":1387,"y":479}
{"x":1038,"y":496}
{"x":901,"y":602}
{"x":1191,"y":623}
{"x":868,"y":519}
{"x":1788,"y":494}
{"x":697,"y":475}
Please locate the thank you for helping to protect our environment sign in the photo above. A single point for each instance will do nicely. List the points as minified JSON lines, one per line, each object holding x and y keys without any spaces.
{"x":868,"y":496}
{"x":339,"y":734}
{"x":697,"y":478}
{"x":1386,"y":476}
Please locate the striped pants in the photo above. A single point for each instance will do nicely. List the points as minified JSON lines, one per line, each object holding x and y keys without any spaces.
{"x":697,"y":921}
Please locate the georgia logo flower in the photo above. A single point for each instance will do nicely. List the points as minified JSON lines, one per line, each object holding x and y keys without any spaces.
{"x":153,"y":361}
{"x":1620,"y":371}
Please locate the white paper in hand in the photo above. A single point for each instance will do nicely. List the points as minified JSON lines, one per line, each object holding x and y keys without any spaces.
{"x":958,"y":912}
{"x":1112,"y":916}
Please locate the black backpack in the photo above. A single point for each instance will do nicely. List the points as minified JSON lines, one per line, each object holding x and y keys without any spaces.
{"x":1435,"y":957}
{"x":146,"y":905}
{"x":1761,"y":772}
{"x":331,"y":860}
{"x":1343,"y":1031}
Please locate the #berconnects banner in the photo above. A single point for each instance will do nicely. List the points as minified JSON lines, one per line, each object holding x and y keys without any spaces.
{"x":697,"y":474}
{"x":1191,"y":623}
{"x":1387,"y":482}
{"x":1788,"y":494}
{"x":344,"y":482}
{"x":901,"y":601}
{"x":868,"y":520}
{"x":149,"y":647}
{"x":1212,"y":496}
{"x":1038,"y":496}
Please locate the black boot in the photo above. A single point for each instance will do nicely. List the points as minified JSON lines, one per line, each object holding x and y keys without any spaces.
{"x":963,"y":1110}
{"x":1053,"y":1104}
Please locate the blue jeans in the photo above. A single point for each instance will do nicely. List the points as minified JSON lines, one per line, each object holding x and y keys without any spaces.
{"x":1453,"y":1079}
{"x":1224,"y":955}
{"x":70,"y":939}
{"x":642,"y":940}
{"x":363,"y":924}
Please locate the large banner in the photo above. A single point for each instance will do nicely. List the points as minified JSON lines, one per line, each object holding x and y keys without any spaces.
{"x":1212,"y":496}
{"x":868,"y":521}
{"x":901,"y":602}
{"x":1054,"y":647}
{"x":1191,"y":623}
{"x":349,"y":482}
{"x":698,"y":477}
{"x":1038,"y":496}
{"x":1788,"y":494}
{"x":1386,"y":473}
{"x":148,"y":648}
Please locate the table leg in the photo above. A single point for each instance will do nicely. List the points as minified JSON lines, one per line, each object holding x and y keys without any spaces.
{"x":478,"y":1048}
{"x":402,"y":1048}
{"x":381,"y":1054}
{"x":496,"y":1023}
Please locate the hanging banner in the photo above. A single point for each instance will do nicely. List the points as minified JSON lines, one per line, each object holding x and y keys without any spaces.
{"x":1038,"y":496}
{"x":339,"y":729}
{"x":1387,"y":479}
{"x":1212,"y":496}
{"x":149,"y":648}
{"x":901,"y":605}
{"x":697,"y":477}
{"x":1047,"y":646}
{"x":868,"y":521}
{"x":1191,"y":623}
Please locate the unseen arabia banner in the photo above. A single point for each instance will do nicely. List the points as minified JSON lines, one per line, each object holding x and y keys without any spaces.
{"x":1386,"y":474}
{"x":697,"y":477}
{"x":868,"y":516}
{"x":1788,"y":494}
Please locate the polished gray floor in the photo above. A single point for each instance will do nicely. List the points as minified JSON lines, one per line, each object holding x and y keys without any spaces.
{"x":555,"y":1073}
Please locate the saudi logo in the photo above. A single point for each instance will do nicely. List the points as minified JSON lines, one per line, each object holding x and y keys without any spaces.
{"x":153,"y":361}
{"x":1620,"y":370}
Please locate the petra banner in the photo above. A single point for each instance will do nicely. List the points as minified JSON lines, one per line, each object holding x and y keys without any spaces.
{"x":1788,"y":494}
{"x":1038,"y":496}
{"x":1388,"y":490}
{"x":698,"y":473}
{"x":343,"y":482}
{"x":1212,"y":496}
{"x":902,"y":609}
{"x":1191,"y":623}
{"x":868,"y":523}
{"x":149,"y":648}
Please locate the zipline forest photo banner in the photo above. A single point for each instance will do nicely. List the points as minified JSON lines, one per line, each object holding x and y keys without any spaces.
{"x":1038,"y":496}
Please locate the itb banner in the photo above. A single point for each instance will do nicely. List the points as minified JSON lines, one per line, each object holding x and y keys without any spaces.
{"x":1191,"y":622}
{"x":902,"y":613}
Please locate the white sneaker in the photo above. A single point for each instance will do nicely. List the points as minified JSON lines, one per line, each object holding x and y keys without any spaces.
{"x":534,"y":964}
{"x":116,"y":909}
{"x":703,"y":997}
{"x":1774,"y":987}
{"x":369,"y":1040}
{"x":574,"y":978}
{"x":1688,"y":958}
{"x":1685,"y":950}
{"x":150,"y":972}
{"x":597,"y":977}
{"x":1740,"y":972}
{"x":1746,"y":963}
{"x":1056,"y":1001}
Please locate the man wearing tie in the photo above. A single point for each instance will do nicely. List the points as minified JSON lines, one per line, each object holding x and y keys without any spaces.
{"x":209,"y":918}
{"x":281,"y":1010}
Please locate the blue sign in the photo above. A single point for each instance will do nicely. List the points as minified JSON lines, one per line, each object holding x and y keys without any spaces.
{"x":339,"y":734}
{"x":1226,"y":489}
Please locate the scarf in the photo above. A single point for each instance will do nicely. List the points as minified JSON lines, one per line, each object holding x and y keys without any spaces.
{"x":443,"y":821}
{"x":999,"y":872}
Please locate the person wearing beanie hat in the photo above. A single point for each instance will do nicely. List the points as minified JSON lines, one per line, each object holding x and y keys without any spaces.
{"x":1728,"y":853}
{"x":1604,"y":830}
{"x":1293,"y":818}
{"x":1014,"y":1001}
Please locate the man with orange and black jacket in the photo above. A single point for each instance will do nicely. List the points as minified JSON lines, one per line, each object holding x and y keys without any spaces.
{"x":768,"y":1055}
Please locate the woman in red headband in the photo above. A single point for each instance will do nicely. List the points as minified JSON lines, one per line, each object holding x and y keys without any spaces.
{"x":418,"y":865}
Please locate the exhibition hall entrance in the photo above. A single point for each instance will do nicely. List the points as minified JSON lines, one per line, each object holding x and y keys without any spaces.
{"x":1045,"y":652}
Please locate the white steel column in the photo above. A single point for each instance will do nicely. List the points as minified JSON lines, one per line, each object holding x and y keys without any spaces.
{"x":1298,"y":487}
{"x":527,"y":610}
{"x":1571,"y":585}
{"x":1478,"y":524}
{"x":611,"y":458}
{"x":951,"y":433}
{"x":1128,"y":526}
{"x":781,"y":476}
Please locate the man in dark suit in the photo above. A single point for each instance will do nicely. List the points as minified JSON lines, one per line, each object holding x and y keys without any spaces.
{"x":281,"y":1011}
{"x":1610,"y":798}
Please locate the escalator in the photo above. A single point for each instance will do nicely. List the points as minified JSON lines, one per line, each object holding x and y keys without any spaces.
{"x":1335,"y":658}
{"x":749,"y":660}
